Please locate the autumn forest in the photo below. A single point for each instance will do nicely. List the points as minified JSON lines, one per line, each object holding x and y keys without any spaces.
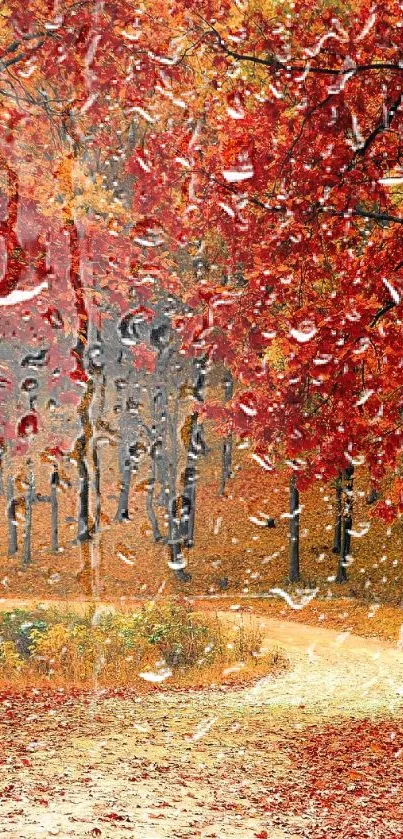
{"x":201,"y":416}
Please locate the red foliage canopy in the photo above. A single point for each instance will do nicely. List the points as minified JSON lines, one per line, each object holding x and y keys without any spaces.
{"x":263,"y":146}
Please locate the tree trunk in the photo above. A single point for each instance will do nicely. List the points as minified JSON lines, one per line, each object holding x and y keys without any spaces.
{"x":29,"y":500}
{"x":165,"y":453}
{"x":151,"y":483}
{"x":346,"y":524}
{"x":150,"y":504}
{"x":161,"y":444}
{"x":294,"y":531}
{"x":177,"y":560}
{"x":196,"y":446}
{"x":226,"y":467}
{"x":81,"y":449}
{"x":123,"y":504}
{"x":338,"y":522}
{"x":54,"y":505}
{"x":83,"y":533}
{"x":79,"y":354}
{"x":96,"y":459}
{"x":11,"y":518}
{"x":97,"y":369}
{"x":188,"y":511}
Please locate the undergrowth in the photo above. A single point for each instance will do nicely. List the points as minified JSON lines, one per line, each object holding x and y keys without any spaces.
{"x":107,"y":648}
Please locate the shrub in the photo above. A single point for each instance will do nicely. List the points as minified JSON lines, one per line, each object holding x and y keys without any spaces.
{"x":182,"y":638}
{"x":113,"y":648}
{"x":18,"y":627}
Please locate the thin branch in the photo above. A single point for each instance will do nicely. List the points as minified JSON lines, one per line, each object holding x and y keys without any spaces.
{"x":362,"y":214}
{"x":381,"y":312}
{"x":276,"y":208}
{"x":21,"y":56}
{"x":275,"y":63}
{"x":382,"y":126}
{"x":391,"y":304}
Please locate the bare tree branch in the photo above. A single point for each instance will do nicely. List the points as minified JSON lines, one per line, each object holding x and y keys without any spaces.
{"x":288,"y":67}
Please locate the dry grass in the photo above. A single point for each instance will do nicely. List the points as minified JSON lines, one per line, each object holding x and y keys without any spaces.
{"x":164,"y":645}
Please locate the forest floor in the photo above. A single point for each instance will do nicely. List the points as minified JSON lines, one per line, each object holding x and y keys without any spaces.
{"x":315,"y":751}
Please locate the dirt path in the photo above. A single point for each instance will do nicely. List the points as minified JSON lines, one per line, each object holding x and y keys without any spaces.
{"x":333,"y":674}
{"x":185,"y":765}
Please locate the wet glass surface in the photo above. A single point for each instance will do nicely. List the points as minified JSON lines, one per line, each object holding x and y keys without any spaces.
{"x":201,"y":402}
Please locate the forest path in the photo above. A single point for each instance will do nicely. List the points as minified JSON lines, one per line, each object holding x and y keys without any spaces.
{"x":193,"y":765}
{"x":332,"y":673}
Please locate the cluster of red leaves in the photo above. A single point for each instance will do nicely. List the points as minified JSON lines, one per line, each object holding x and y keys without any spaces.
{"x":351,"y":779}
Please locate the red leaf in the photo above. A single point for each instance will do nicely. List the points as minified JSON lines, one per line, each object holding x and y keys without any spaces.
{"x":28,"y":425}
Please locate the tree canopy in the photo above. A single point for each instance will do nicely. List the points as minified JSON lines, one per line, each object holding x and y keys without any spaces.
{"x":244,"y":157}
